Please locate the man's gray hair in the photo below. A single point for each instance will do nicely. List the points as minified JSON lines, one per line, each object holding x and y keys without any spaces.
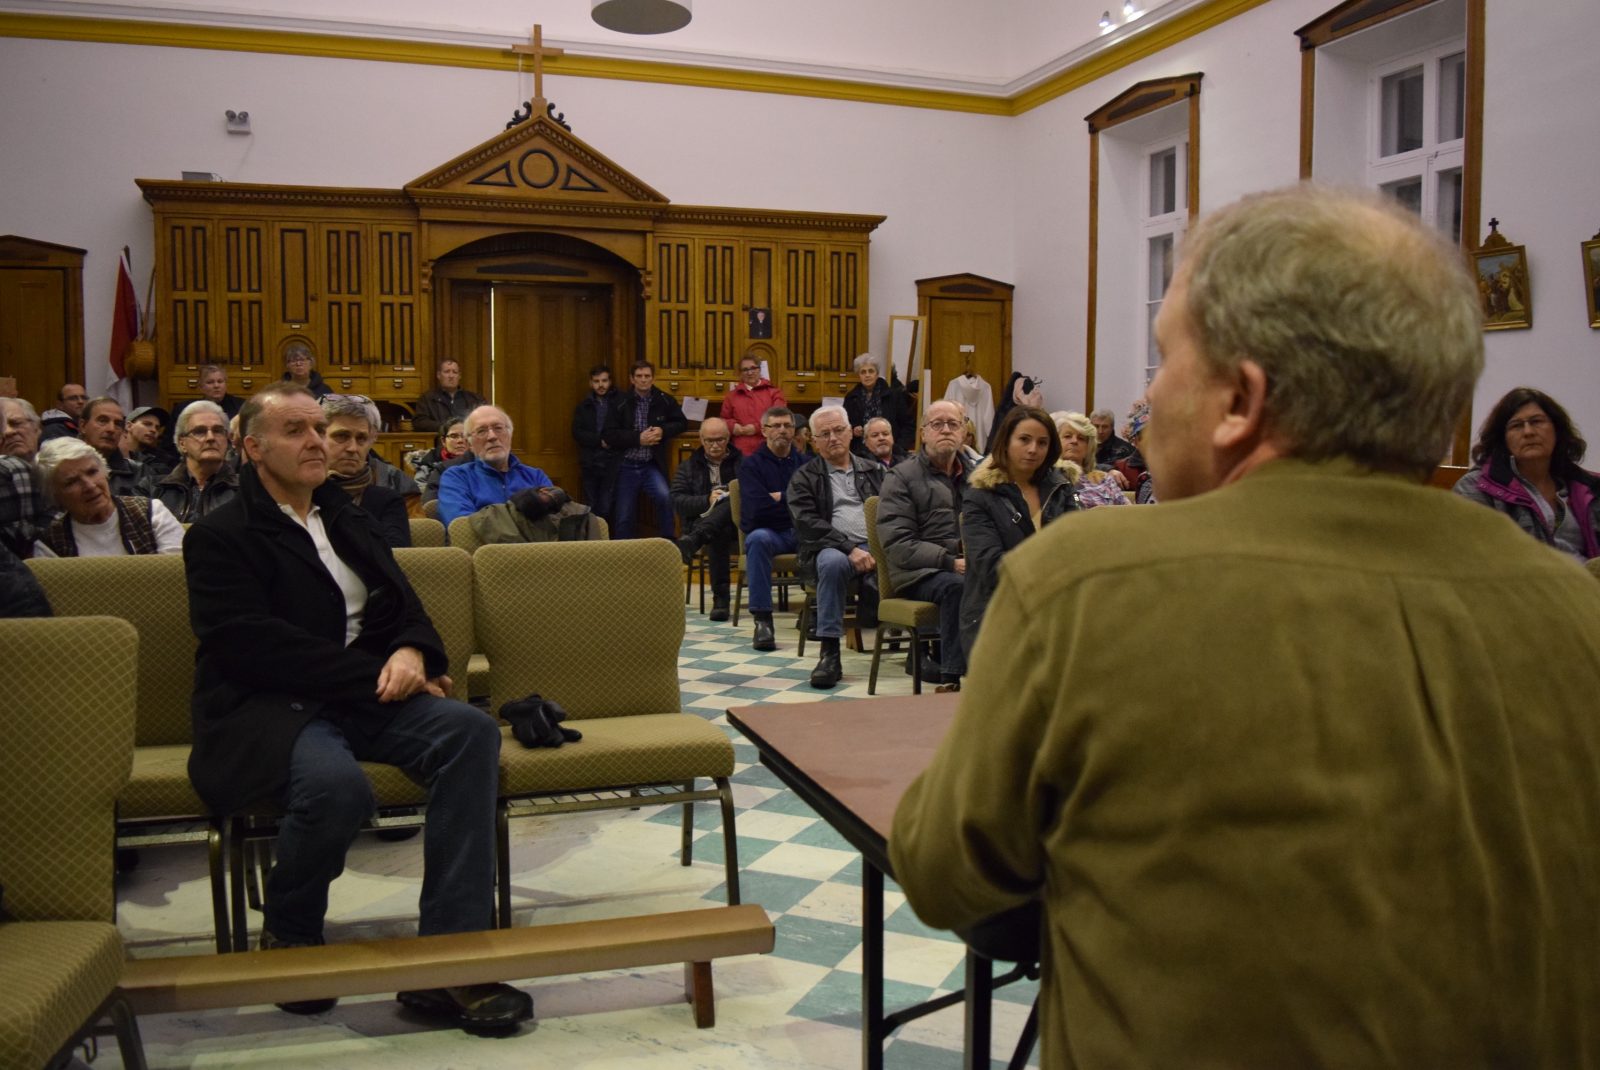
{"x":863,"y":360}
{"x":27,"y":409}
{"x":1365,"y":322}
{"x":187,"y":414}
{"x":884,"y":420}
{"x":352,"y":405}
{"x":1103,"y":414}
{"x":778,"y":412}
{"x":844,"y":417}
{"x":59,"y":451}
{"x":470,"y":425}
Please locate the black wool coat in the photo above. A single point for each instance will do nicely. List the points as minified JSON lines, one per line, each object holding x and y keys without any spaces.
{"x":270,"y":622}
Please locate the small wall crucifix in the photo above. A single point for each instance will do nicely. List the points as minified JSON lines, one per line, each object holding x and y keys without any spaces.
{"x":538,"y":50}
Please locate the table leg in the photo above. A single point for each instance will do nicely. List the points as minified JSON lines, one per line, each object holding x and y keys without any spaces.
{"x":874,"y":1033}
{"x":980,"y":999}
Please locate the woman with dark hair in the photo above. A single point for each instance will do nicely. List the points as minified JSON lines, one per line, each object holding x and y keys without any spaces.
{"x":451,"y":449}
{"x":1015,"y":491}
{"x":1527,"y":455}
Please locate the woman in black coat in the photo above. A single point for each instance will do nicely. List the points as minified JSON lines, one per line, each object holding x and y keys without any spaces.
{"x":875,"y":396}
{"x":1015,"y":491}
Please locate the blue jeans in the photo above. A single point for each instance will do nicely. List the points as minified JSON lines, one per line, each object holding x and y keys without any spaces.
{"x":452,"y":748}
{"x":632,"y":476}
{"x":760,"y":547}
{"x":944,"y":589}
{"x":834,"y":573}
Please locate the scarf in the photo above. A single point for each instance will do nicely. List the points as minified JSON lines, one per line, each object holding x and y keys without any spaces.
{"x":133,"y":525}
{"x":355,"y":485}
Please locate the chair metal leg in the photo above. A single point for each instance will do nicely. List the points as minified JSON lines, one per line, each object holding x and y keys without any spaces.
{"x":1025,"y":1042}
{"x":255,"y":873}
{"x":217,"y":851}
{"x":688,"y":826}
{"x":877,"y":656}
{"x":738,"y":598}
{"x":130,"y":1045}
{"x":502,"y":859}
{"x":916,"y":663}
{"x":236,"y":863}
{"x":730,"y":841}
{"x":805,"y":626}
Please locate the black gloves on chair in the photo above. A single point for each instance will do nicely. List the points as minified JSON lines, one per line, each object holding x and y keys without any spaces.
{"x":537,"y":721}
{"x":536,"y":503}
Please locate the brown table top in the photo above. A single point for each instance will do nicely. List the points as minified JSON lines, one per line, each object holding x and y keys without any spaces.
{"x":861,"y":754}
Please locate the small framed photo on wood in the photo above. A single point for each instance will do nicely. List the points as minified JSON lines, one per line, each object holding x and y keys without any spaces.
{"x":760,"y":325}
{"x":1591,"y":278}
{"x":1501,"y":271}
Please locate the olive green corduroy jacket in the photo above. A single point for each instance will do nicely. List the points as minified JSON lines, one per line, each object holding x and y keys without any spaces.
{"x":1345,"y":814}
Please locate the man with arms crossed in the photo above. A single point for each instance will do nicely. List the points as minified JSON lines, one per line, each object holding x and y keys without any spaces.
{"x":315,"y":654}
{"x":1346,"y":815}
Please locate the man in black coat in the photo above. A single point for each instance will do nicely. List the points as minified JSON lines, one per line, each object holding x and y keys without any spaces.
{"x":597,"y":463}
{"x":315,"y":654}
{"x":700,"y":495}
{"x":645,"y":420}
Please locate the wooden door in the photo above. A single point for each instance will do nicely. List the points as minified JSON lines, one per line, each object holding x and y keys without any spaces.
{"x":546,"y":337}
{"x":33,"y":333}
{"x":953,"y":324}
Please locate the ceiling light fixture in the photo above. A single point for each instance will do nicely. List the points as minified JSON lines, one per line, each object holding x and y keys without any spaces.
{"x":1105,"y":22}
{"x":1130,"y":10}
{"x":642,"y":16}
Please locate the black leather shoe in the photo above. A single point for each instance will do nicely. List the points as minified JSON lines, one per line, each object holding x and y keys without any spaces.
{"x":688,"y":546}
{"x":269,"y":942}
{"x":764,"y":639}
{"x":493,"y":1008}
{"x":828,"y":670}
{"x":931,"y":673}
{"x":719,"y":611}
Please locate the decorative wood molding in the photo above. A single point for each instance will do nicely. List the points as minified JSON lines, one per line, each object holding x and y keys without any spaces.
{"x":159,"y":191}
{"x":1353,"y":16}
{"x":1142,"y":98}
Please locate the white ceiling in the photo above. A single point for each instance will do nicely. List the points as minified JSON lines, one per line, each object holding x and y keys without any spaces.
{"x":994,"y":46}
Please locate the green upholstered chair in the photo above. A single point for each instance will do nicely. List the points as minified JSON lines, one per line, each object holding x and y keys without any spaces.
{"x":426,"y":531}
{"x":596,"y":627}
{"x":70,"y":686}
{"x":894,"y":613}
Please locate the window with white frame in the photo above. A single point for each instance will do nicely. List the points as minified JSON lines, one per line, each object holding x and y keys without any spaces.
{"x":1416,"y":123}
{"x":1165,"y":214}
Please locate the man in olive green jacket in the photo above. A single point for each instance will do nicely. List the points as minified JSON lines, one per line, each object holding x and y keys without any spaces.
{"x":1345,"y":813}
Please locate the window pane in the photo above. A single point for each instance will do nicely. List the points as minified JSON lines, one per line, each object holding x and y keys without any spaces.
{"x":1152,"y":359}
{"x":1402,"y":113}
{"x":1452,"y":97}
{"x":1160,"y":267}
{"x":1447,"y":206}
{"x":1408,"y":191}
{"x":1164,"y":182}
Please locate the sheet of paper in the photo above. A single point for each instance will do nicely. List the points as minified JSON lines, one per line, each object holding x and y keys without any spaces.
{"x":833,"y":403}
{"x":694,"y":409}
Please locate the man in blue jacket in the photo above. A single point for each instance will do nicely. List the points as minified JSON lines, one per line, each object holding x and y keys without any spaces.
{"x":764,"y":514}
{"x":493,"y":475}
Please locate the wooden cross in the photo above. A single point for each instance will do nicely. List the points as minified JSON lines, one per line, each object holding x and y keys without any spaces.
{"x":538,"y":50}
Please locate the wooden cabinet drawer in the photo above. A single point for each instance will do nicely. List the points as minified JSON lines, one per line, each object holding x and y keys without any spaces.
{"x":398,"y":386}
{"x":347,"y":384}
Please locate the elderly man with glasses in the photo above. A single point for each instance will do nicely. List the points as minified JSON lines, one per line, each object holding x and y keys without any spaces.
{"x":700,"y":495}
{"x":919,"y":524}
{"x":493,"y":475}
{"x":203,"y":479}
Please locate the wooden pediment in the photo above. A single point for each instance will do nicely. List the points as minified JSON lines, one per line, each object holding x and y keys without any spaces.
{"x":537,"y":162}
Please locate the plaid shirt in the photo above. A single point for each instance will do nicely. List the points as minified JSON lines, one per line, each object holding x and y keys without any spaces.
{"x":22,"y":511}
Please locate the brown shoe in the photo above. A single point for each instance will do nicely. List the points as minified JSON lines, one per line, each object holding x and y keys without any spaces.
{"x":491,"y":1008}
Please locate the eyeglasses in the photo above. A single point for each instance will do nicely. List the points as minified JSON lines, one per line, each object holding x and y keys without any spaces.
{"x":497,"y":430}
{"x":723,"y":441}
{"x":832,"y":432}
{"x":1532,"y":423}
{"x":750,"y":368}
{"x":206,"y":432}
{"x":777,"y":426}
{"x":944,"y":425}
{"x":76,"y":397}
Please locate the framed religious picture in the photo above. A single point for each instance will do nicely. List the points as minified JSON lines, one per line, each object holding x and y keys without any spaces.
{"x":1501,"y":271}
{"x":760,"y":325}
{"x":1591,"y":278}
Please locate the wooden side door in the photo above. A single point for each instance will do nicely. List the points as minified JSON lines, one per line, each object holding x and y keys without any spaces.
{"x":33,"y":333}
{"x":953,"y":324}
{"x":546,"y":337}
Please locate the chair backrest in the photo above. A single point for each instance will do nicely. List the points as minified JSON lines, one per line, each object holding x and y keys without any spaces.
{"x":150,"y":592}
{"x":594,"y":626}
{"x":442,"y":578}
{"x":733,"y":511}
{"x":462,"y":535}
{"x":70,"y":702}
{"x":430,"y":508}
{"x":875,"y":548}
{"x":426,"y":532}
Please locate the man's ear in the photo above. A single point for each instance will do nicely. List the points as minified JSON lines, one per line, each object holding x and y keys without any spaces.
{"x":250,"y":446}
{"x":1243,"y":427}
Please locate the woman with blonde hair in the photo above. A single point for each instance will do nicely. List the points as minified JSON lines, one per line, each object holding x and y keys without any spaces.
{"x":1078,"y":443}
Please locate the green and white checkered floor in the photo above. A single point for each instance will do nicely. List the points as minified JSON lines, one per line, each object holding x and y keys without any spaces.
{"x":797,"y":1007}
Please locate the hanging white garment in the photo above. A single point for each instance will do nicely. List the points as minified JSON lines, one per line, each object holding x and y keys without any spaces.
{"x":977,"y":397}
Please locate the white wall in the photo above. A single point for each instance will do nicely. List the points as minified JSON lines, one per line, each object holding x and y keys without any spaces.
{"x":82,"y":121}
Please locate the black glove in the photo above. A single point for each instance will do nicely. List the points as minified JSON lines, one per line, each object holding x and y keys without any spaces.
{"x":536,"y":503}
{"x":536,"y":722}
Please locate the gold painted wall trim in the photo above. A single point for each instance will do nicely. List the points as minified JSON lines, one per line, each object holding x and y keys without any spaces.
{"x":1138,"y":46}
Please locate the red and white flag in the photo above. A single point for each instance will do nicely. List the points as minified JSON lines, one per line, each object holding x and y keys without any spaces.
{"x":125,"y":316}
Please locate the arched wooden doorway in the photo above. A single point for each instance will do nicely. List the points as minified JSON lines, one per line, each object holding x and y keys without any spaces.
{"x":528,"y":315}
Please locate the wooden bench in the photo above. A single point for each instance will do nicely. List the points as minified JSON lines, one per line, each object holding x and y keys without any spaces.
{"x":246,"y":978}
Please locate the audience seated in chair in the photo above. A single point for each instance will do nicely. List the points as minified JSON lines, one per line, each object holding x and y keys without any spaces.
{"x":493,"y":475}
{"x":450,"y":450}
{"x":315,"y":653}
{"x":447,"y":401}
{"x":352,"y":428}
{"x":105,"y":428}
{"x":876,"y":398}
{"x":63,"y":421}
{"x":918,"y":522}
{"x":203,"y":479}
{"x":1095,"y":486}
{"x":880,"y":446}
{"x":827,"y":499}
{"x":19,"y":429}
{"x":94,"y":522}
{"x":700,"y":495}
{"x":768,"y":528}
